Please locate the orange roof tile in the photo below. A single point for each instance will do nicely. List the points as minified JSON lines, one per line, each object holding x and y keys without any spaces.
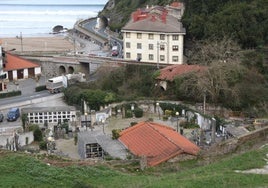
{"x":176,"y":4}
{"x":157,"y":142}
{"x":14,"y":62}
{"x":157,"y":21}
{"x":171,"y":72}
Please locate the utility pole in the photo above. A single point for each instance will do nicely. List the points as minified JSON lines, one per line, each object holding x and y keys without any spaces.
{"x":204,"y":103}
{"x":21,"y":45}
{"x":158,"y":55}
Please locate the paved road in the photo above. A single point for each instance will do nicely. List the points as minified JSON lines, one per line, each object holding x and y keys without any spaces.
{"x":90,"y":26}
{"x":28,"y":98}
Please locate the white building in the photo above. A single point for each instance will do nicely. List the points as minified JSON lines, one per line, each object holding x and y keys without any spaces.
{"x":3,"y":74}
{"x":50,"y":115}
{"x":20,"y":68}
{"x":153,"y":35}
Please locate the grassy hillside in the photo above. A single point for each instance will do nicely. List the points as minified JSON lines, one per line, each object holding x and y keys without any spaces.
{"x":21,"y":170}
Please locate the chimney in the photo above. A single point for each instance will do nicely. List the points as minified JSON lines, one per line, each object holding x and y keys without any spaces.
{"x":136,"y":14}
{"x":153,"y":19}
{"x":164,"y":16}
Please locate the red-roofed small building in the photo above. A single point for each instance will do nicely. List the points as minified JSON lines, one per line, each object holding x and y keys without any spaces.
{"x":13,"y":67}
{"x":20,"y":68}
{"x":158,"y":143}
{"x":169,"y":73}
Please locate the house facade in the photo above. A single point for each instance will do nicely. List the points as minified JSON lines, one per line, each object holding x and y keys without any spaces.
{"x":3,"y":74}
{"x":13,"y":67}
{"x":154,"y":35}
{"x":19,"y":68}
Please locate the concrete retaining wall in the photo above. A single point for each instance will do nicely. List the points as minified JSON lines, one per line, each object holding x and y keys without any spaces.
{"x":231,"y":145}
{"x":32,"y":101}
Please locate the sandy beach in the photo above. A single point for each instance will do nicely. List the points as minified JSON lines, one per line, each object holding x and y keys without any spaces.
{"x":53,"y":43}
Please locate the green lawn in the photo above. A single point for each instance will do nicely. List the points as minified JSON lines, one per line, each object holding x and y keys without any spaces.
{"x":20,"y":170}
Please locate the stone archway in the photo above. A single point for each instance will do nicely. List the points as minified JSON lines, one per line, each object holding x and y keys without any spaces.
{"x":62,"y":70}
{"x":70,"y":70}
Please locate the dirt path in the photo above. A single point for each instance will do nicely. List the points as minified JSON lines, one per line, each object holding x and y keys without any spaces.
{"x":263,"y":170}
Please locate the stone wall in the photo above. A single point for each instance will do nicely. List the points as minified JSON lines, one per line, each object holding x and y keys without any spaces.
{"x":242,"y":142}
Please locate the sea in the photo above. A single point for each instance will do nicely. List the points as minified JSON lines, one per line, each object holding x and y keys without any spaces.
{"x":29,"y":18}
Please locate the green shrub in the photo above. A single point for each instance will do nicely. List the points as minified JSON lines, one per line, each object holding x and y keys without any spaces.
{"x":168,"y":112}
{"x":189,"y":125}
{"x":43,"y":145}
{"x":165,"y":117}
{"x":133,"y":123}
{"x":32,"y":127}
{"x":115,"y":133}
{"x":128,"y":114}
{"x":138,"y":112}
{"x":40,"y":88}
{"x":10,"y":94}
{"x":38,"y":136}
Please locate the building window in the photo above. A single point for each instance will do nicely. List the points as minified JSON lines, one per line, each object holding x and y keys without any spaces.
{"x":151,"y":46}
{"x":175,"y":37}
{"x":151,"y":36}
{"x":175,"y":48}
{"x":151,"y":57}
{"x":138,"y":35}
{"x":138,"y":45}
{"x":162,"y":37}
{"x":128,"y":55}
{"x":162,"y":47}
{"x":162,"y":58}
{"x":139,"y":56}
{"x":175,"y":58}
{"x":127,"y":35}
{"x":127,"y":44}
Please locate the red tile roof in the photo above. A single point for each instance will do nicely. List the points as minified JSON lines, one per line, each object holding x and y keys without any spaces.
{"x":169,"y":73}
{"x":14,"y":62}
{"x":154,"y":21}
{"x":157,"y":142}
{"x":176,"y":4}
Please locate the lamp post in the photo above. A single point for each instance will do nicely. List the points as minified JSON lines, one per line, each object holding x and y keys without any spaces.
{"x":177,"y":116}
{"x":157,"y":104}
{"x":86,"y":119}
{"x":21,"y":44}
{"x":158,"y":47}
{"x":103,"y":122}
{"x":132,"y":109}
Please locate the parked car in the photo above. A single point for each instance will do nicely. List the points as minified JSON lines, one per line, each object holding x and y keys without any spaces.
{"x":13,"y":114}
{"x":115,"y":51}
{"x":1,"y":117}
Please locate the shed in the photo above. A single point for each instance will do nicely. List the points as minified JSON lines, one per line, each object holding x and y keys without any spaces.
{"x":158,"y":143}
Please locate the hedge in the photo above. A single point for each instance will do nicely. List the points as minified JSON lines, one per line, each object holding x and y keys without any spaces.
{"x":10,"y":94}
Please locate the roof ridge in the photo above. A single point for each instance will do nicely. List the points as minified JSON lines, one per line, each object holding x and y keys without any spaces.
{"x":128,"y":129}
{"x":165,"y":135}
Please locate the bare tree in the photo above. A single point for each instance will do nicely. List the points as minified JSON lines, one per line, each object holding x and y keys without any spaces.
{"x":209,"y":51}
{"x":224,"y":70}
